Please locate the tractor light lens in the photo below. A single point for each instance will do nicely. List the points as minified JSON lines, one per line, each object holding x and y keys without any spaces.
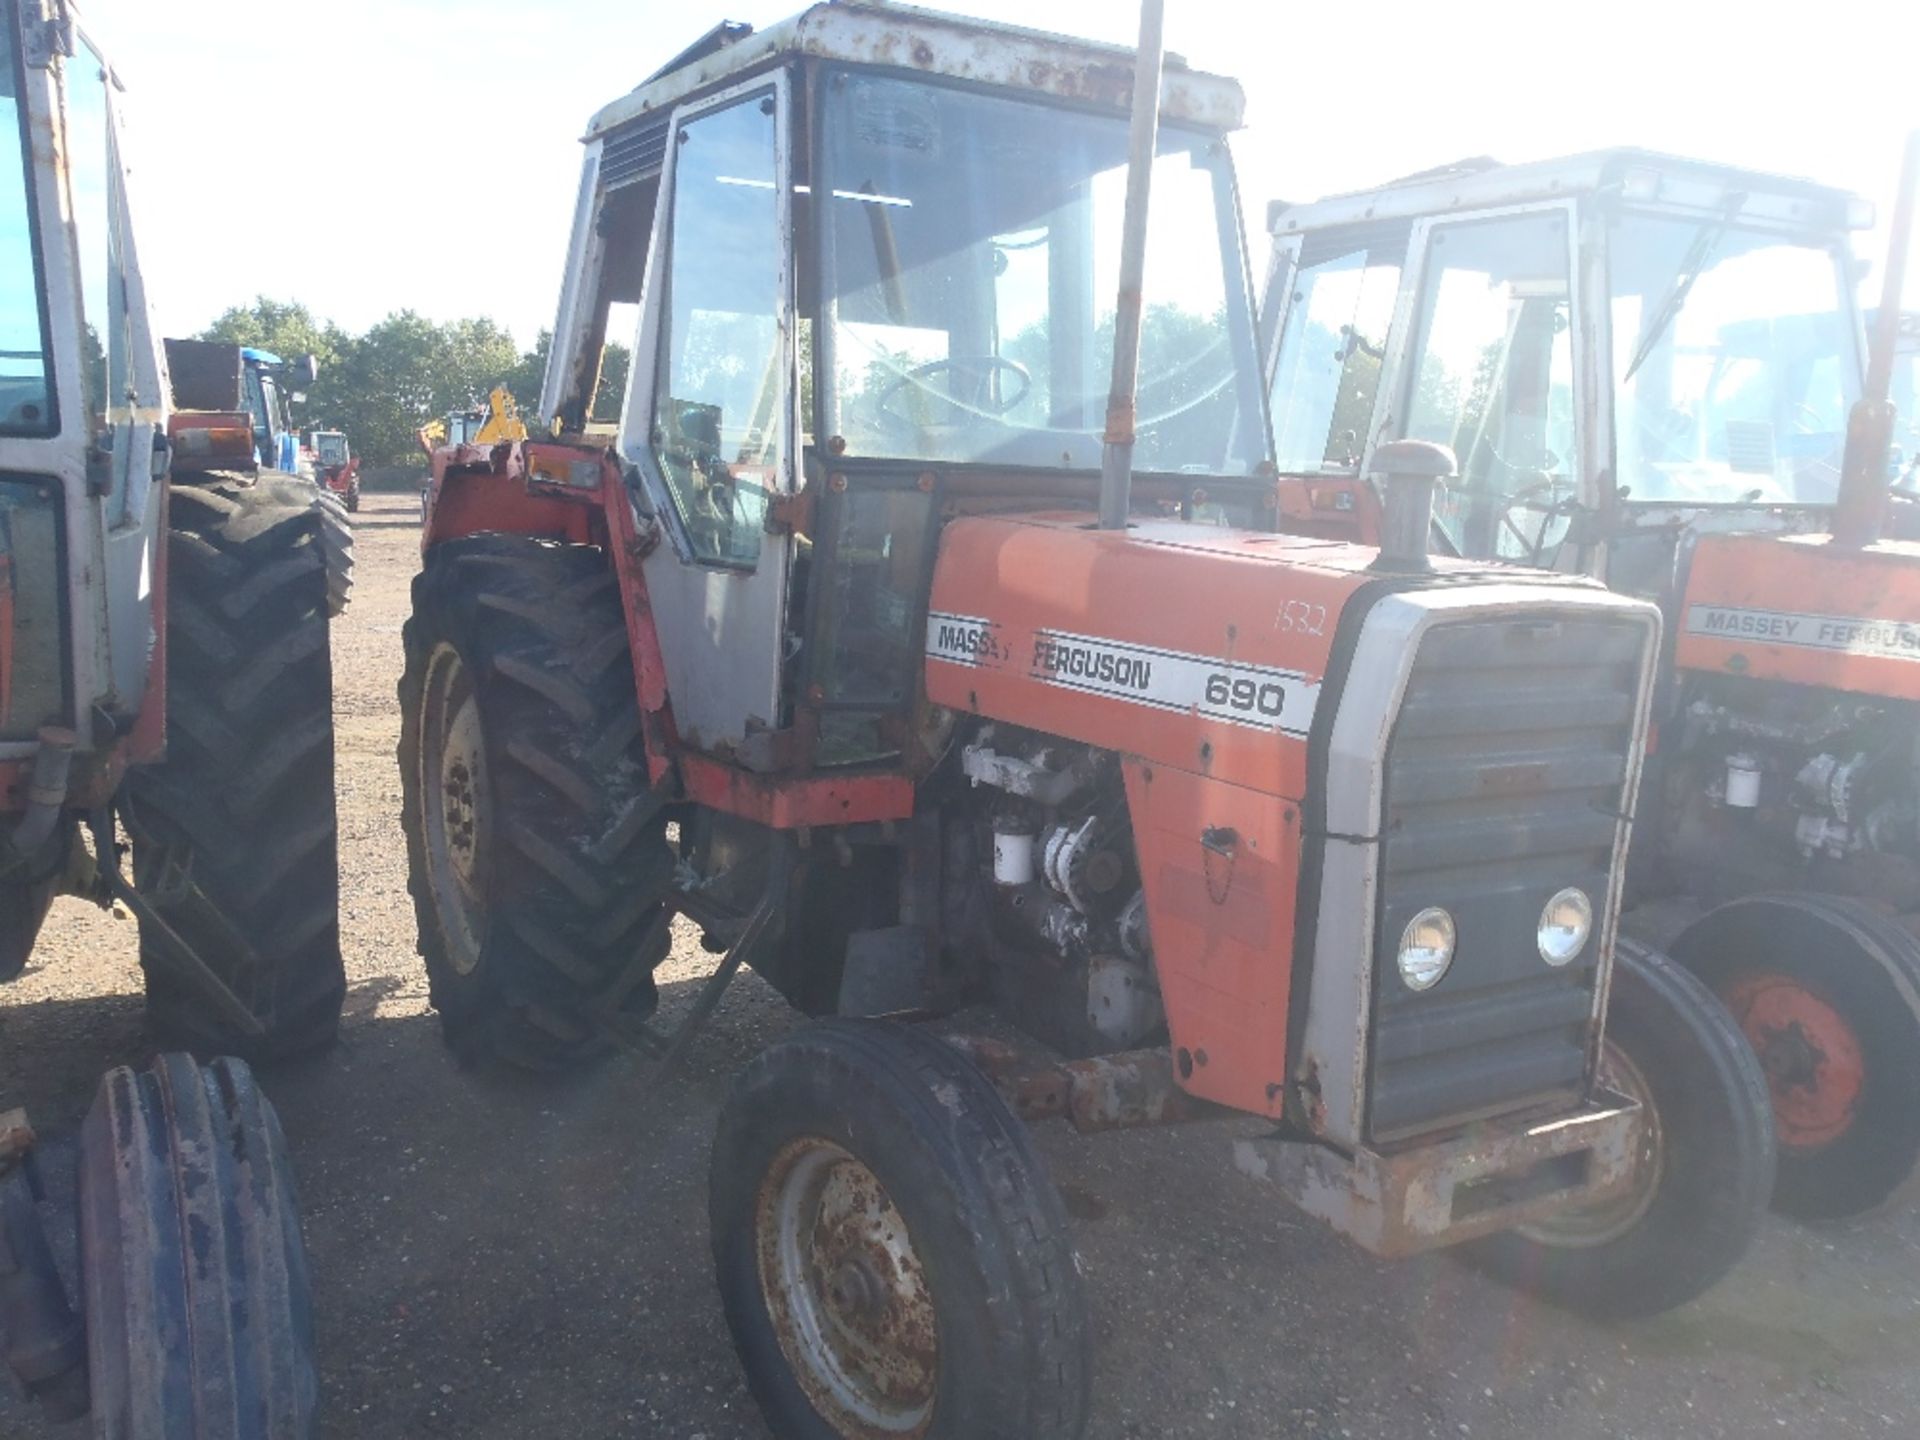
{"x":1565,"y":924}
{"x":1426,"y":948}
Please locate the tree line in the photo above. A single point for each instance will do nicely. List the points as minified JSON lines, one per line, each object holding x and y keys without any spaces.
{"x":382,"y":385}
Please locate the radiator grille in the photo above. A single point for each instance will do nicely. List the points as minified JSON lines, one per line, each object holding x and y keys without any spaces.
{"x":1506,"y":773}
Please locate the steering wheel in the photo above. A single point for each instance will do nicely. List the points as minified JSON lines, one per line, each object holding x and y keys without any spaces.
{"x":1536,"y":497}
{"x":986,"y":365}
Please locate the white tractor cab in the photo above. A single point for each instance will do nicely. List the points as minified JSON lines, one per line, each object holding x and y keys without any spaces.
{"x":1613,"y":342}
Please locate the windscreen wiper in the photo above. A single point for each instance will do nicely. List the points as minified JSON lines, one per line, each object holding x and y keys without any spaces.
{"x":1699,"y":251}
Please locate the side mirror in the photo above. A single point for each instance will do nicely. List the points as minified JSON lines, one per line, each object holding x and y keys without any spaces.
{"x":305,"y":370}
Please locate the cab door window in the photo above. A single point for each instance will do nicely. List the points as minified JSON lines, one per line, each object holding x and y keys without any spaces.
{"x":1327,"y":373}
{"x":107,"y":341}
{"x":25,"y":407}
{"x":721,"y":388}
{"x":1491,"y":375}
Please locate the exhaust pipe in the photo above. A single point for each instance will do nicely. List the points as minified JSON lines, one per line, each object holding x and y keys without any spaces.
{"x":1860,"y":510}
{"x":1409,"y":471}
{"x":1143,"y":140}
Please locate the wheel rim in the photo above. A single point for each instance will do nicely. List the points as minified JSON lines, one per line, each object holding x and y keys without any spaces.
{"x":458,"y":804}
{"x":846,"y":1292}
{"x":1816,"y":1070}
{"x":1607,"y":1220}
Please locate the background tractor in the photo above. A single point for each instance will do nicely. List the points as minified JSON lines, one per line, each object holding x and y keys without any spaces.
{"x":164,"y":688}
{"x":232,"y":411}
{"x":1651,"y":368}
{"x":336,"y":468}
{"x":919,"y":629}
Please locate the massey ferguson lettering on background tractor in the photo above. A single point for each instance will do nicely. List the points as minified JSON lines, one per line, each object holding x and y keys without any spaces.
{"x":1647,"y":366}
{"x":883,"y":639}
{"x":164,"y":675}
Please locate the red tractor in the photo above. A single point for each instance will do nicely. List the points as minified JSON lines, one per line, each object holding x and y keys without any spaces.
{"x":336,"y":468}
{"x":1653,"y":371}
{"x":919,"y":629}
{"x":165,"y":688}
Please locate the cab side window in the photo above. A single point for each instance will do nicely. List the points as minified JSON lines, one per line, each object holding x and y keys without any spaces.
{"x":721,"y":387}
{"x":1327,"y":373}
{"x":1491,"y":376}
{"x":98,"y":213}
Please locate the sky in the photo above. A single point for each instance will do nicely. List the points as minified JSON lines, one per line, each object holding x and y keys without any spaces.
{"x":366,"y":156}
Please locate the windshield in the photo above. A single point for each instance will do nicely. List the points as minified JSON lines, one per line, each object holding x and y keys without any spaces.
{"x":25,"y":407}
{"x":1733,"y":365}
{"x":331,"y":448}
{"x":972,"y":261}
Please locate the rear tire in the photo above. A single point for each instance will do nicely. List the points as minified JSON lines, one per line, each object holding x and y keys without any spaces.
{"x":1706,"y":1171}
{"x":1825,"y":990}
{"x":336,"y":539}
{"x":234,"y":834}
{"x":891,"y":1255}
{"x":199,"y":1312}
{"x":536,"y":847}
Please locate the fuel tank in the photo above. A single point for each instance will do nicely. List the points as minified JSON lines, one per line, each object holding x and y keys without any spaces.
{"x":1800,"y":609}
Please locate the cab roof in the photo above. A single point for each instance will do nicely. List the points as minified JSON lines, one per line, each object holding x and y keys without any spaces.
{"x":911,"y":38}
{"x":1643,"y":176}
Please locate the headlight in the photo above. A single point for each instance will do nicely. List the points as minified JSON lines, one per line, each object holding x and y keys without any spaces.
{"x":1426,"y":948}
{"x":1565,"y":925}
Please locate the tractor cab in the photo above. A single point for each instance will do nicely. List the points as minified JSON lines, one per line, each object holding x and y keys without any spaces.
{"x":861,"y":296}
{"x":1611,"y":343}
{"x":330,"y":449}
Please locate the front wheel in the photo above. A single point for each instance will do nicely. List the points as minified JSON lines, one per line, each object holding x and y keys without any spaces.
{"x":1704,"y":1171}
{"x":198,"y":1309}
{"x":1827,"y":992}
{"x":891,"y":1256}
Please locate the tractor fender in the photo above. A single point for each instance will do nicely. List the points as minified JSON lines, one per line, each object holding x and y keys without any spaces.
{"x":574,"y":494}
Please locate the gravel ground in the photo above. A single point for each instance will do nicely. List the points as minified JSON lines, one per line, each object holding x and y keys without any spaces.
{"x":501,"y":1258}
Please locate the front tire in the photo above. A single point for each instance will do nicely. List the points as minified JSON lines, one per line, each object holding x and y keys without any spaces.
{"x":234,"y":834}
{"x":891,"y":1255}
{"x":198,"y":1308}
{"x":1706,"y":1167}
{"x":536,"y":847}
{"x":1824,"y":989}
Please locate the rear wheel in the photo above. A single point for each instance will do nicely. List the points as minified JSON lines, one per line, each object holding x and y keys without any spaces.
{"x":234,"y":834}
{"x":892,"y":1257}
{"x":1827,"y":991}
{"x":1704,"y":1170}
{"x":536,"y":846}
{"x":199,"y":1315}
{"x":336,"y":539}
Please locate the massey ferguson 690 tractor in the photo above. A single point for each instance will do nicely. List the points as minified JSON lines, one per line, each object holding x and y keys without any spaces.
{"x":1647,"y":367}
{"x":879,"y":638}
{"x":164,"y":676}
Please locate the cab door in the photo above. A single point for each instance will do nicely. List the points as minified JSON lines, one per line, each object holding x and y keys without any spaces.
{"x":711,"y":419}
{"x":1484,"y":359}
{"x":106,"y":378}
